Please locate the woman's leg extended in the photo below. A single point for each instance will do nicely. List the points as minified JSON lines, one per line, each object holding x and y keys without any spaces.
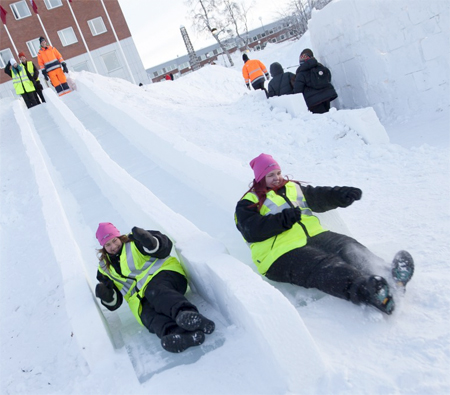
{"x":349,"y":250}
{"x":310,"y":267}
{"x":165,"y":293}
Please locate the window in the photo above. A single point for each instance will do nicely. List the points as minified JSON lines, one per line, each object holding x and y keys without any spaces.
{"x":52,"y":4}
{"x":20,"y":10}
{"x":111,"y":61}
{"x":81,"y":66}
{"x":5,"y":56}
{"x":67,"y":37}
{"x":97,"y":26}
{"x":33,"y":47}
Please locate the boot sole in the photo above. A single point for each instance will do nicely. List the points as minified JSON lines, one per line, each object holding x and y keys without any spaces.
{"x":402,"y":268}
{"x":177,"y":343}
{"x":192,"y":321}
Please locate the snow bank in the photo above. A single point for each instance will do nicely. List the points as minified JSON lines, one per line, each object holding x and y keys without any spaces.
{"x":390,"y":55}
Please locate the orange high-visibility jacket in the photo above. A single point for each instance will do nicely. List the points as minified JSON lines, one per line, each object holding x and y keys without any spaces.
{"x":253,"y":69}
{"x":49,"y":58}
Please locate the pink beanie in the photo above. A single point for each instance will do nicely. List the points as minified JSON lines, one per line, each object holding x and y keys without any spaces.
{"x":105,"y":232}
{"x":263,"y":165}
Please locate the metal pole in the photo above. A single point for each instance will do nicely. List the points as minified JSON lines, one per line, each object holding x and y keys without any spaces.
{"x":10,"y":39}
{"x":82,"y":37}
{"x":45,"y":31}
{"x":118,"y":42}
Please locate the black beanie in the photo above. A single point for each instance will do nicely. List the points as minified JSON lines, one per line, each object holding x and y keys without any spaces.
{"x":41,"y":39}
{"x":244,"y":57}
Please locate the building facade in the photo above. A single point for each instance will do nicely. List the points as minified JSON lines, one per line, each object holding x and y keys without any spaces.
{"x":257,"y":39}
{"x":91,"y":35}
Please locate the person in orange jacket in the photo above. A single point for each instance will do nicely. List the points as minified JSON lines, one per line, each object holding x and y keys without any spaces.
{"x":50,"y":63}
{"x":254,"y":71}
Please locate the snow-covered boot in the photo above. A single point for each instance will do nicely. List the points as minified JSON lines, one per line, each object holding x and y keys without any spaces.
{"x":402,"y":268}
{"x":178,"y":342}
{"x":375,"y":292}
{"x":191,"y":321}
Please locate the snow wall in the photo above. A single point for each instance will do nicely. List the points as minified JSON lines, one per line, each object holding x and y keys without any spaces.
{"x":390,"y":55}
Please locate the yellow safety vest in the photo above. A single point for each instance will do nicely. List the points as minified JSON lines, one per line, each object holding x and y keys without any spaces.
{"x":30,"y":69}
{"x":137,"y":271}
{"x":20,"y":81}
{"x":265,"y":253}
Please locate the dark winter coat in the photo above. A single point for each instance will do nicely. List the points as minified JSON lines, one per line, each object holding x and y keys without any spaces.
{"x":255,"y":228}
{"x":302,"y":84}
{"x":333,"y":263}
{"x":281,"y":83}
{"x":165,"y":246}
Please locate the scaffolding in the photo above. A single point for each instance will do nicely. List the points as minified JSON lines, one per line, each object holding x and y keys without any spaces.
{"x":193,"y":58}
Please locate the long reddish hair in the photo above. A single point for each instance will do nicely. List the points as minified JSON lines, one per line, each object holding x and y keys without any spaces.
{"x":260,"y":190}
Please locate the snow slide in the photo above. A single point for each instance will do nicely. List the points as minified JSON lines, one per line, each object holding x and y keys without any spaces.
{"x":65,"y":155}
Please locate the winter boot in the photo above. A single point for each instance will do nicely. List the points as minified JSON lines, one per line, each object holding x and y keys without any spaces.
{"x":178,"y":342}
{"x":402,"y":268}
{"x":375,"y":292}
{"x":191,"y":321}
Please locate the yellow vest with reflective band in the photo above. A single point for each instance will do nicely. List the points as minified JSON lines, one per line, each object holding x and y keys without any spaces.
{"x":265,"y":253}
{"x":137,"y":271}
{"x":20,"y":80}
{"x":31,"y":69}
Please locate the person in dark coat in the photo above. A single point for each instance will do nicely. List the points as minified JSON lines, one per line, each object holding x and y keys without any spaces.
{"x":282,"y":83}
{"x":22,"y":84}
{"x":317,"y":100}
{"x":288,"y":243}
{"x":138,"y":268}
{"x":33,"y":75}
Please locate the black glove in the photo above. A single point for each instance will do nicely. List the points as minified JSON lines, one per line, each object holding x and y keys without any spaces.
{"x":345,"y":196}
{"x":64,"y":66}
{"x":38,"y":85}
{"x":248,"y":86}
{"x":291,"y":216}
{"x":105,"y":292}
{"x":144,"y":237}
{"x":44,"y":73}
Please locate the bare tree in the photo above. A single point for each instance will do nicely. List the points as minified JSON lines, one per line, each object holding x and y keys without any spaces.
{"x":299,"y":13}
{"x":236,"y":16}
{"x":208,"y":19}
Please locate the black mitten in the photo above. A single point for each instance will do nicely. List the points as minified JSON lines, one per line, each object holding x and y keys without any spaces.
{"x":345,"y":196}
{"x":64,"y":67}
{"x":44,"y":73}
{"x":143,"y":237}
{"x":291,"y":216}
{"x":105,"y":292}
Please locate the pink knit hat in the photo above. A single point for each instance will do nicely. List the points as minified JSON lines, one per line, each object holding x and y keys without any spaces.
{"x":263,"y":165}
{"x":105,"y":232}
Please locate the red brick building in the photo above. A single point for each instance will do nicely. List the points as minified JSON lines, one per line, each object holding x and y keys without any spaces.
{"x":91,"y":35}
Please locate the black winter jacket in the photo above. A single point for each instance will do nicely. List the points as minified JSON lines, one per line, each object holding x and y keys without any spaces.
{"x":302,"y":84}
{"x":255,"y":227}
{"x":281,"y":83}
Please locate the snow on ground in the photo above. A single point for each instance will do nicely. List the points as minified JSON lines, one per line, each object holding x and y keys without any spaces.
{"x":175,"y":155}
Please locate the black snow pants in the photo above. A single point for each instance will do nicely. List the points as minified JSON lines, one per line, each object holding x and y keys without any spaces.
{"x":164,"y":299}
{"x":333,"y":263}
{"x":259,"y":84}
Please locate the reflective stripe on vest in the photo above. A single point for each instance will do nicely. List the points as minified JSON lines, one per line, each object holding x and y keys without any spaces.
{"x":129,"y":283}
{"x":265,"y":252}
{"x":21,"y":82}
{"x":52,"y":65}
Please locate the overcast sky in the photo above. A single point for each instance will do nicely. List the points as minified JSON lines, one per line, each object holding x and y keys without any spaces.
{"x":155,"y":26}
